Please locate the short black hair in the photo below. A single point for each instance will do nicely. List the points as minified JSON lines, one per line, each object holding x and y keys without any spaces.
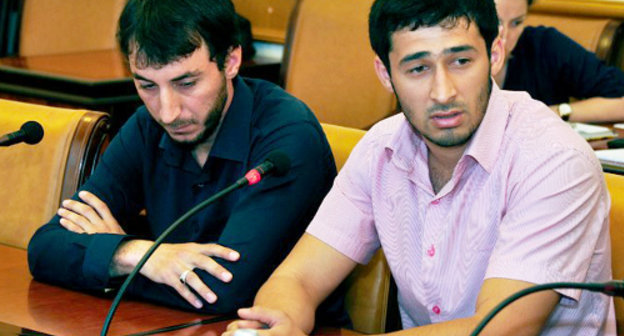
{"x":530,"y":2}
{"x":389,"y":16}
{"x":162,"y":31}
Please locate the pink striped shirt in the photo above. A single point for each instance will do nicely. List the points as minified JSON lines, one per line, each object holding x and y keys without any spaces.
{"x":527,"y":201}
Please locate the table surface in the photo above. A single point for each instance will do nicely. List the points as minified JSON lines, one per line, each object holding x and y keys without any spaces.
{"x":31,"y":305}
{"x":97,"y":66}
{"x":88,"y":66}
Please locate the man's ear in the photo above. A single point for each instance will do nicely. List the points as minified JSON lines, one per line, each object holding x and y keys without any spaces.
{"x":233,"y":62}
{"x":383,"y":74}
{"x":497,"y":56}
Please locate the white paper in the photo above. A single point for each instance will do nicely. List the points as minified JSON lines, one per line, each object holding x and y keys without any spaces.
{"x":611,"y":156}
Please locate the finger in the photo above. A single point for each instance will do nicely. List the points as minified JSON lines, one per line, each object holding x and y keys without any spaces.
{"x":186,"y":293}
{"x":244,"y":324}
{"x":216,"y":250}
{"x":99,"y":206}
{"x":232,"y":325}
{"x":76,"y":219}
{"x":83,"y":210}
{"x":214,"y":268}
{"x":266,"y":316}
{"x":71,"y":226}
{"x":195,"y":282}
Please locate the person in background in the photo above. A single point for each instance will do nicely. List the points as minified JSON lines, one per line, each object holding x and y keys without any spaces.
{"x":473,"y":192}
{"x":202,"y":127}
{"x":553,"y":68}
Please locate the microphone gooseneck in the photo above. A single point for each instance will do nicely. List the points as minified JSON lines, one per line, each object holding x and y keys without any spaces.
{"x":276,"y":162}
{"x":611,"y":288}
{"x":31,"y":133}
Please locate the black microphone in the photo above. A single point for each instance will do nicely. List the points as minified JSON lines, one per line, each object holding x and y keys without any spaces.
{"x":611,"y":288}
{"x":31,"y":133}
{"x":276,"y":162}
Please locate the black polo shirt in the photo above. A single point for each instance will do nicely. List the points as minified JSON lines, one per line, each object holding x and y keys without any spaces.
{"x":144,"y":169}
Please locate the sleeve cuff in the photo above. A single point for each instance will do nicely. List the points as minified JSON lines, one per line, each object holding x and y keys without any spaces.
{"x":98,"y":257}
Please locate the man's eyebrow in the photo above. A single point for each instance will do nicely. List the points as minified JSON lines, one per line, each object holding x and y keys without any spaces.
{"x":176,"y":79}
{"x":139,"y":77}
{"x":414,"y":56}
{"x":423,"y":54}
{"x":459,"y":49}
{"x":186,"y":76}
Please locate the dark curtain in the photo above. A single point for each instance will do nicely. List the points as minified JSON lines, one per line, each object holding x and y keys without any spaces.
{"x":10,"y":19}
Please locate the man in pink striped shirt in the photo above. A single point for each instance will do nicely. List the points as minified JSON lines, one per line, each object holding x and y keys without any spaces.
{"x":473,"y":193}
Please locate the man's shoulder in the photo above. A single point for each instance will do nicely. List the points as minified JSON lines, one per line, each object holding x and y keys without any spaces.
{"x":267,"y":94}
{"x":140,"y":128}
{"x":546,"y":39}
{"x":392,"y":133}
{"x":535,"y":130}
{"x":387,"y":127}
{"x":272,"y":106}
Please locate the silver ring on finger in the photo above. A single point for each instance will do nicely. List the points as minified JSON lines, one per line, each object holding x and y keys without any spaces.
{"x":184,"y":275}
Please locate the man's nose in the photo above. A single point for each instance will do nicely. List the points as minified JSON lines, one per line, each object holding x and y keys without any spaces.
{"x":443,"y":89}
{"x":169,"y":106}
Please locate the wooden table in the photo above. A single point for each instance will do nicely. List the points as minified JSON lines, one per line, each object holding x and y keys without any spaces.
{"x":96,"y":80}
{"x":28,"y":305}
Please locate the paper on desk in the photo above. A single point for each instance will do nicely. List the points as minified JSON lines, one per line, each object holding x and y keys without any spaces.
{"x":592,"y":132}
{"x":614,"y":157}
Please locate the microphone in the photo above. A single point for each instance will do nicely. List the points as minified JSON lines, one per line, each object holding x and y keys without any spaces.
{"x":276,"y":162}
{"x":31,"y":133}
{"x":611,"y":288}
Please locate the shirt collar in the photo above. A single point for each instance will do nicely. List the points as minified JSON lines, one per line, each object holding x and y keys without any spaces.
{"x":408,"y":148}
{"x":233,"y":138}
{"x":485,"y":144}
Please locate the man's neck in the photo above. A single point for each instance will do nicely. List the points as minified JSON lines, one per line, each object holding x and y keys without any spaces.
{"x":442,"y":162}
{"x":201,"y":151}
{"x":499,"y":78}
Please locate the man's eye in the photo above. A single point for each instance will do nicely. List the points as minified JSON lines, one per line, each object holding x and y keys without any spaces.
{"x":147,"y":86}
{"x":187,"y":84}
{"x":418,"y":69}
{"x":517,"y":23}
{"x":462,"y":61}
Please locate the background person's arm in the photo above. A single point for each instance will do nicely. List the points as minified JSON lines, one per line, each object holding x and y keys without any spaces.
{"x":596,"y":110}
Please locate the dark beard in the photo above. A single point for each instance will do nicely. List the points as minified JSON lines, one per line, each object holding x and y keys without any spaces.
{"x":212,"y":122}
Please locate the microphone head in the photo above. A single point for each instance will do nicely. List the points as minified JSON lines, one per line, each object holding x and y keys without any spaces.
{"x":280,"y":161}
{"x":33,"y":132}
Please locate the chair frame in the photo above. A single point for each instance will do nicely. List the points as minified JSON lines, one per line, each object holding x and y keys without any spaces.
{"x":88,"y":143}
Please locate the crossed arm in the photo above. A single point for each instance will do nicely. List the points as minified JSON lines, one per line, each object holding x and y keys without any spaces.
{"x":165,"y":265}
{"x":286,"y":302}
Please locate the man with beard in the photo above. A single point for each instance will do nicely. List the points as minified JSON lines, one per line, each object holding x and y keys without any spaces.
{"x":473,"y":193}
{"x":202,"y":127}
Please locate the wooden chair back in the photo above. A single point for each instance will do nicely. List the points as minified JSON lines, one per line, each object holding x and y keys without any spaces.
{"x":328,"y":63}
{"x":369,"y":291}
{"x":36,"y":178}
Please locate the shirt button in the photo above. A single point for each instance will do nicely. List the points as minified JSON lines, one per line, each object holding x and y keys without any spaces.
{"x":431,"y":251}
{"x":435,"y":202}
{"x":436,"y":310}
{"x":200,"y":185}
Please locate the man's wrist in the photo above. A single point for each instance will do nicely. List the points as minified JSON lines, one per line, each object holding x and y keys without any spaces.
{"x":564,"y":110}
{"x":127,"y":256}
